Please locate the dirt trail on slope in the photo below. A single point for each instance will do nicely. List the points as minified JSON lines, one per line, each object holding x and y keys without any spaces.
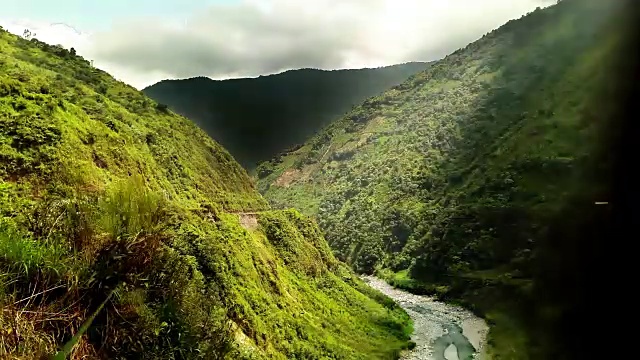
{"x":248,"y":219}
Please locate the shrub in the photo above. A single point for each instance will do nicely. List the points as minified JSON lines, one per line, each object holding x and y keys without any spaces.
{"x":163,"y":108}
{"x":23,"y":258}
{"x":130,"y":209}
{"x":264,"y":169}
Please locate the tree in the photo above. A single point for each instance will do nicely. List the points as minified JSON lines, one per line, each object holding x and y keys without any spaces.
{"x":162,"y":108}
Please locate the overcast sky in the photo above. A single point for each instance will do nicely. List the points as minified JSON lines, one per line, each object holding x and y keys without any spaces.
{"x":144,"y":41}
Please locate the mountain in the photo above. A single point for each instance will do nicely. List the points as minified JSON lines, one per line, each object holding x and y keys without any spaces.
{"x":257,"y":118}
{"x":120,"y":213}
{"x":476,"y":178}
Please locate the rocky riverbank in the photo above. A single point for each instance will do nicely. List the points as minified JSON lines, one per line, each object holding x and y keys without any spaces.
{"x":441,"y":331}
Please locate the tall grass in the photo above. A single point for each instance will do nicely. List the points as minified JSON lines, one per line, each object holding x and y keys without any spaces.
{"x":23,"y":256}
{"x":64,"y":258}
{"x":129,"y":209}
{"x":69,"y":345}
{"x":30,"y":270}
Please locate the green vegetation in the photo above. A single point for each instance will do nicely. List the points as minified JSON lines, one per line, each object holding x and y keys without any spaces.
{"x":468,"y":180}
{"x":258,"y":118}
{"x":117,"y":211}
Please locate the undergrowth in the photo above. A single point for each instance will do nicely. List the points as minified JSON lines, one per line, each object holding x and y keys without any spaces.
{"x":117,"y":211}
{"x":475,"y":171}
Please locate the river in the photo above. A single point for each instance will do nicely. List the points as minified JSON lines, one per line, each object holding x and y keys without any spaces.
{"x":441,"y":331}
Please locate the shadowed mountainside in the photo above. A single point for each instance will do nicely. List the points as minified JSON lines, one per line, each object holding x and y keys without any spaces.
{"x":473,"y":178}
{"x":257,"y":118}
{"x":107,"y":195}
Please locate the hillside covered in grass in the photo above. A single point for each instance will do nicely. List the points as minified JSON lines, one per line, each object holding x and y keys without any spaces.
{"x":257,"y":118}
{"x":114,"y":207}
{"x":469,"y":179}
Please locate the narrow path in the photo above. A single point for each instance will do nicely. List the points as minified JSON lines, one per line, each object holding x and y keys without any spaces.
{"x":441,"y":331}
{"x":248,"y":219}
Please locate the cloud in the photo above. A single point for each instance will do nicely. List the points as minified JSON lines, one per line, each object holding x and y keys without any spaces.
{"x":254,"y":37}
{"x":52,"y":33}
{"x":70,"y":37}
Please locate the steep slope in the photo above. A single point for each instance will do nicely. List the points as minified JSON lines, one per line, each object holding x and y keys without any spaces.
{"x":462,"y":177}
{"x":258,"y":118}
{"x":111,"y":204}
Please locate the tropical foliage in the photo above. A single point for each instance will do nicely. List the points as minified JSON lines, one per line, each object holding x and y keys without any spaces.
{"x":258,"y":118}
{"x":117,"y":211}
{"x":459,"y":181}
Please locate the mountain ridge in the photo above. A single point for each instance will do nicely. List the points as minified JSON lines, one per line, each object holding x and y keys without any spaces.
{"x":288,"y":71}
{"x":256,"y":118}
{"x":107,"y":195}
{"x":442,"y":183}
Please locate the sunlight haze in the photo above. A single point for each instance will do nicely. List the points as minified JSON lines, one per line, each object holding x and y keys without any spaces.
{"x":146,"y":41}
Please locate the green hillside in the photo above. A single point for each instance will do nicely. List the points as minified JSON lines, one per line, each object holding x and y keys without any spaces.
{"x":467,"y":179}
{"x":107,"y":196}
{"x":257,"y":118}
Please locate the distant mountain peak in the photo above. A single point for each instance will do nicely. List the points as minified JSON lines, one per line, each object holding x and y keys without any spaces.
{"x":256,"y":118}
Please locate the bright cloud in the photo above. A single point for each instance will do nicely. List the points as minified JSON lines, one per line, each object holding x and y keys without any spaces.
{"x":254,"y":37}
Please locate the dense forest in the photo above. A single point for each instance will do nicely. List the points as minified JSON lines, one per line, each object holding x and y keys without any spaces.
{"x":484,"y":179}
{"x":119,"y":215}
{"x":258,"y":118}
{"x":476,"y":179}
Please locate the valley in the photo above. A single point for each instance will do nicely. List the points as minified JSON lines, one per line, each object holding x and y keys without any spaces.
{"x":434,"y":210}
{"x":442,"y":185}
{"x":441,"y":331}
{"x":116,"y":212}
{"x":256,"y":119}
